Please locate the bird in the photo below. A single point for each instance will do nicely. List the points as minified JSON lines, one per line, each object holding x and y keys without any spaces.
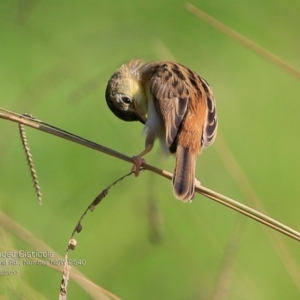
{"x":176,"y":106}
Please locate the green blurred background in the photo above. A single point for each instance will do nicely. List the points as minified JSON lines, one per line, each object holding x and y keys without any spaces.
{"x":140,"y":243}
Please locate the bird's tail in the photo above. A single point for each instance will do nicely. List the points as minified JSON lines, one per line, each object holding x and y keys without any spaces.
{"x":184,"y":174}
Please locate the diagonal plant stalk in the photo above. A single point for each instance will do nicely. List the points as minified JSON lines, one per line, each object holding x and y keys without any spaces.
{"x":94,"y":290}
{"x":243,"y":40}
{"x":251,"y":196}
{"x":228,"y":202}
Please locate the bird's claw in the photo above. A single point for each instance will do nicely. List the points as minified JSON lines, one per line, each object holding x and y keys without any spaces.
{"x":138,"y":161}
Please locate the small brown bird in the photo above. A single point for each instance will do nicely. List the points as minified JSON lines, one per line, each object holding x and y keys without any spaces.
{"x":177,"y":107}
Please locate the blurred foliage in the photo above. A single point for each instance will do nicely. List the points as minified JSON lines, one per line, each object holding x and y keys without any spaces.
{"x":55,"y":60}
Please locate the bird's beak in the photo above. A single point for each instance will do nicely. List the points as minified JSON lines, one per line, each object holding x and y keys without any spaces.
{"x":140,"y":116}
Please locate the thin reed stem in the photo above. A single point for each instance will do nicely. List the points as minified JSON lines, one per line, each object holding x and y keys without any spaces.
{"x":222,"y":199}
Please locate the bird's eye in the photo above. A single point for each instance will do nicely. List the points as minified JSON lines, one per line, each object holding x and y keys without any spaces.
{"x":126,"y":100}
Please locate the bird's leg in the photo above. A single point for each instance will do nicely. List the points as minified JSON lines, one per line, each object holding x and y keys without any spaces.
{"x":138,"y":159}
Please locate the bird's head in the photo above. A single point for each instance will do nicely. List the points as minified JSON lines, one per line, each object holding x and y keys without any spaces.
{"x":125,"y":95}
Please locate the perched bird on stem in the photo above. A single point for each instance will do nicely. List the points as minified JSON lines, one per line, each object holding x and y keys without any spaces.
{"x":175,"y":104}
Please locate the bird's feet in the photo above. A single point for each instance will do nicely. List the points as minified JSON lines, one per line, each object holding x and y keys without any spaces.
{"x":138,"y":161}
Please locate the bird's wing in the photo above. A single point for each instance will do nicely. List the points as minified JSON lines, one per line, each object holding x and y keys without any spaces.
{"x":211,"y":124}
{"x":171,"y":97}
{"x":186,"y":103}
